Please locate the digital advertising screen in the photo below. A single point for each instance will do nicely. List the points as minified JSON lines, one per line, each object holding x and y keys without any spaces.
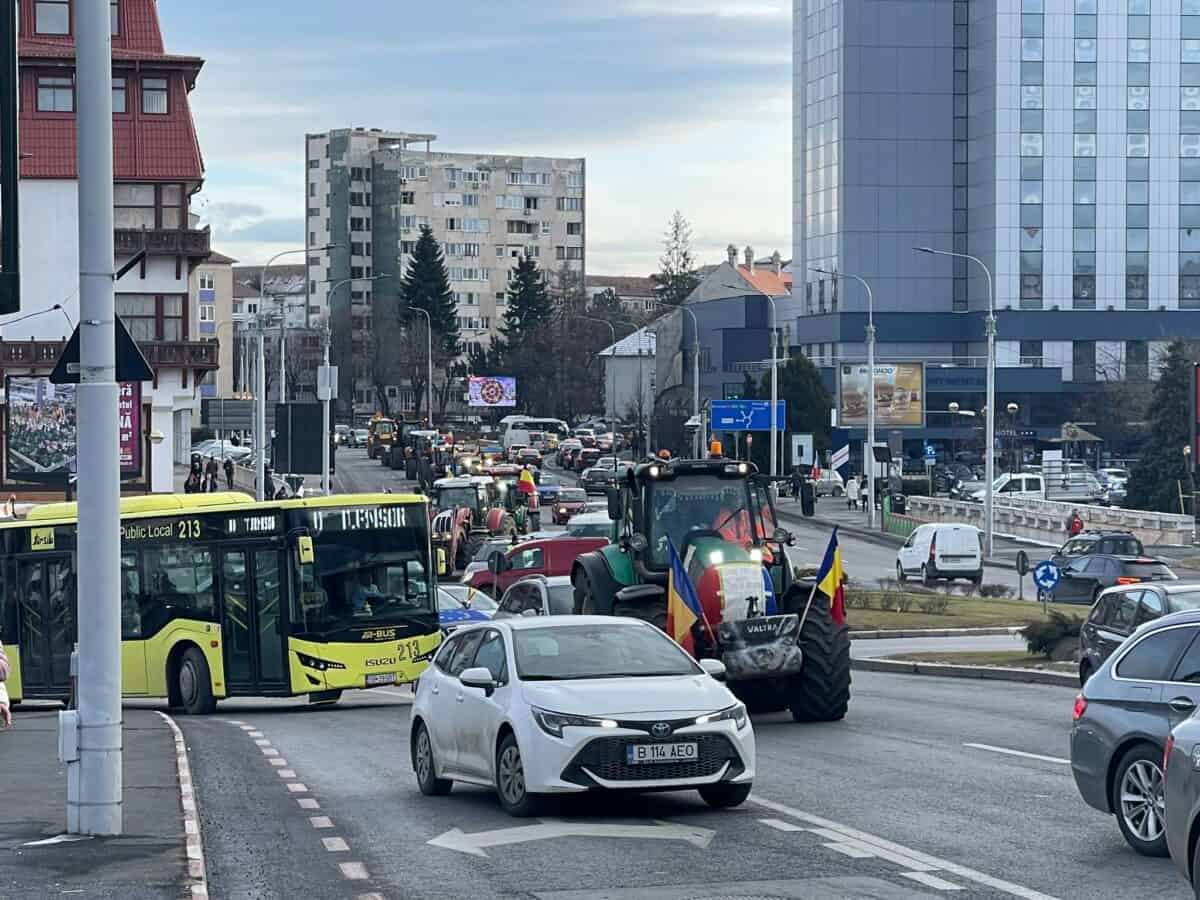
{"x":492,"y":390}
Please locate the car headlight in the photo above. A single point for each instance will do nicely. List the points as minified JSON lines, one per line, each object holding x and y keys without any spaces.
{"x":320,"y":665}
{"x":562,"y":509}
{"x":553,"y":723}
{"x":735,"y":714}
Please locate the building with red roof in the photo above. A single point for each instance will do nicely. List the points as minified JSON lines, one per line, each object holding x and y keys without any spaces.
{"x":157,"y":168}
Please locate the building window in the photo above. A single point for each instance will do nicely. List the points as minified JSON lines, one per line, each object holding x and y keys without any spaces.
{"x":570,"y":204}
{"x":118,"y":95}
{"x":154,"y":96}
{"x":55,"y":94}
{"x":52,"y":17}
{"x":171,"y":201}
{"x":574,"y":229}
{"x":138,"y":313}
{"x":1031,"y":353}
{"x":206,"y":281}
{"x":1083,"y":361}
{"x":1137,"y":361}
{"x":133,"y":206}
{"x":208,"y":312}
{"x":114,"y":16}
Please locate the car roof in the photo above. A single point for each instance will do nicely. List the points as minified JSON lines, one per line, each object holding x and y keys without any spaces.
{"x":1176,"y":587}
{"x":521,"y":623}
{"x":1089,"y":533}
{"x":591,"y":518}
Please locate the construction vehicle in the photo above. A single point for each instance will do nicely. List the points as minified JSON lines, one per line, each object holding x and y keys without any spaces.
{"x":776,"y":633}
{"x":466,"y":512}
{"x":381,"y":434}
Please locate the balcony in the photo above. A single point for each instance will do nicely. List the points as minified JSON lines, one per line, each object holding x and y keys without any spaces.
{"x":160,"y":354}
{"x":192,"y":243}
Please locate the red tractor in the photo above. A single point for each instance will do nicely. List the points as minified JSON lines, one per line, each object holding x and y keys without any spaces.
{"x":466,"y":512}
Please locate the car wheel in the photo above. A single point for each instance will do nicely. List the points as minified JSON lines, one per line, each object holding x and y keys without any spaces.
{"x":900,"y":576}
{"x":422,"y":758}
{"x":1137,"y":797}
{"x":926,"y":578}
{"x":510,"y":781}
{"x":725,"y":796}
{"x":837,"y":492}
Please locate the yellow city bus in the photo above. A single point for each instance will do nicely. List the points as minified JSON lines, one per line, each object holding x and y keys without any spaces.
{"x":225,"y":597}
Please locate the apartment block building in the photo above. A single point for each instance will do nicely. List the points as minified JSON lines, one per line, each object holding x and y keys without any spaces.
{"x":369,"y":192}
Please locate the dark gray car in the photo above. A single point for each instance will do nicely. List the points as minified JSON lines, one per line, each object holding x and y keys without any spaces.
{"x":1122,"y":719}
{"x":1181,"y":794}
{"x":1122,"y":609}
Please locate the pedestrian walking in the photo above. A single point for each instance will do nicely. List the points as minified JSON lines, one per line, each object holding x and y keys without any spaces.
{"x":192,"y":484}
{"x":5,"y":711}
{"x":229,"y":473}
{"x":211,"y":476}
{"x":1074,"y":523}
{"x":797,"y":483}
{"x":852,"y":492}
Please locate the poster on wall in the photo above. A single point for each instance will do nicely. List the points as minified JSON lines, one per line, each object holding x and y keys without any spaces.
{"x":492,"y":390}
{"x":41,"y":424}
{"x":899,"y":394}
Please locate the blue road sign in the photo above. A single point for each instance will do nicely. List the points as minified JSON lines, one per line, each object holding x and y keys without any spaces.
{"x":747,"y":415}
{"x":930,"y":452}
{"x":1046,"y":575}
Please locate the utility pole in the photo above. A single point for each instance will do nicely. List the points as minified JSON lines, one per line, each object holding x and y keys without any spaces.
{"x":94,"y":787}
{"x":326,"y":390}
{"x":429,"y":352}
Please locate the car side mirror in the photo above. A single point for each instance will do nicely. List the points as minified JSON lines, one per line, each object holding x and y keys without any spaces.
{"x":714,"y":667}
{"x":783,"y":536}
{"x":613,"y":496}
{"x":478,"y":677}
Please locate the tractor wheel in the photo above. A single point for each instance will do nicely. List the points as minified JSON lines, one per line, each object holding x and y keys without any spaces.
{"x":654,"y":613}
{"x":585,"y":603}
{"x":762,"y":695}
{"x":820,"y":692}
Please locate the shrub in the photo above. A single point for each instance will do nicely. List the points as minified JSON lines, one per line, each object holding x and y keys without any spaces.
{"x":903,"y":602}
{"x":935,"y":605}
{"x":995,"y":590}
{"x":1043,"y":637}
{"x":858,"y":599}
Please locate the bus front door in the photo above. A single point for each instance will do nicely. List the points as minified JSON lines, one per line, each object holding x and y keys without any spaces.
{"x":251,"y":620}
{"x":46,"y":630}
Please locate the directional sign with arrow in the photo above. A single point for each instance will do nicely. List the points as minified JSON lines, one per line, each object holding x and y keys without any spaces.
{"x":1047,"y":575}
{"x":476,"y":842}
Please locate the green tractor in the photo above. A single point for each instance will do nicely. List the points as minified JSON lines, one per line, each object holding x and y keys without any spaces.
{"x":777,"y":635}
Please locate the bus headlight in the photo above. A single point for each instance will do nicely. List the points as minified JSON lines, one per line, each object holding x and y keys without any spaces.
{"x":320,"y":665}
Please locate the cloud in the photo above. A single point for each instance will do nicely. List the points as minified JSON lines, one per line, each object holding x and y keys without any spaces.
{"x":273,"y":230}
{"x":725,"y":9}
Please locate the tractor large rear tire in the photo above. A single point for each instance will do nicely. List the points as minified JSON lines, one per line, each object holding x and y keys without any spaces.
{"x":654,"y":613}
{"x":820,"y":692}
{"x":585,"y":603}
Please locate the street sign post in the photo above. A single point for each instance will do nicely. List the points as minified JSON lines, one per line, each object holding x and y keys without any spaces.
{"x":746,"y":415}
{"x":1046,"y":575}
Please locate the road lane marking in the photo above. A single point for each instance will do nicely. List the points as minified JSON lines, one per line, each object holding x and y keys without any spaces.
{"x":335,"y":845}
{"x":780,"y":825}
{"x":354,"y":871}
{"x":278,"y":761}
{"x":235,"y":721}
{"x":854,"y":851}
{"x":193,"y":840}
{"x":321,"y":822}
{"x":254,"y":734}
{"x":475,"y":843}
{"x":901,"y":859}
{"x":269,"y":751}
{"x":262,"y":742}
{"x":938,"y":884}
{"x":297,"y":788}
{"x":1010,"y":752}
{"x":308,"y":803}
{"x":286,"y":773}
{"x":869,"y":840}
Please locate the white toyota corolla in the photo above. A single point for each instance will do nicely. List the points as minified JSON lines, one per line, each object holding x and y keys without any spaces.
{"x":546,"y":705}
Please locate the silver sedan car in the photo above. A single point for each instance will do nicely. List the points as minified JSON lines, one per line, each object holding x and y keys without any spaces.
{"x":1181,"y":794}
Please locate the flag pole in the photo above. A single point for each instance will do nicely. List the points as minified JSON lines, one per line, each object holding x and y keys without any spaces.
{"x":808,"y":605}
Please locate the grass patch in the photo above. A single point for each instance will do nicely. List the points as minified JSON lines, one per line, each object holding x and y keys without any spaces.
{"x":1012,"y":659}
{"x":959,"y":612}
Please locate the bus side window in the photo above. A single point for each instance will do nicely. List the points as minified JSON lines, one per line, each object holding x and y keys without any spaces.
{"x":179,"y":585}
{"x":131,"y":593}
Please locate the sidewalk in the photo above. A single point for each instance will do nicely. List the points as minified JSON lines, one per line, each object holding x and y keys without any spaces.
{"x":148,"y":861}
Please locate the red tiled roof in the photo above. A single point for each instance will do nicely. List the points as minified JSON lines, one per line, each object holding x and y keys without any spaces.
{"x":150,"y":147}
{"x":767,"y":281}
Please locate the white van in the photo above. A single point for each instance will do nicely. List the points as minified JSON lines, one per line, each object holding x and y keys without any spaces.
{"x":941,"y":550}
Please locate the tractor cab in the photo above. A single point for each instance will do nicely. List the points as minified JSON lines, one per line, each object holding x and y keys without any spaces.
{"x":474,"y":493}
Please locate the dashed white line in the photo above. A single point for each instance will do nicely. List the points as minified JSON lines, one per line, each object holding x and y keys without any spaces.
{"x":1008,"y":751}
{"x":286,"y":773}
{"x":876,"y":844}
{"x":297,"y":788}
{"x":780,"y":825}
{"x":355,"y":871}
{"x":262,"y":742}
{"x":278,"y":761}
{"x":320,"y":822}
{"x":938,"y":884}
{"x":335,"y":845}
{"x":254,"y":734}
{"x":854,"y":851}
{"x":308,"y":803}
{"x":269,"y":751}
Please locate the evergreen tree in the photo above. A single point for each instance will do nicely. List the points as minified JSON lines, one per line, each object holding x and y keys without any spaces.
{"x":426,"y":285}
{"x":528,"y":305}
{"x":1161,"y":471}
{"x":677,"y":277}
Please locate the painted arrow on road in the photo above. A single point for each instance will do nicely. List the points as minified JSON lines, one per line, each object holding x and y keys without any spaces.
{"x":474,"y":844}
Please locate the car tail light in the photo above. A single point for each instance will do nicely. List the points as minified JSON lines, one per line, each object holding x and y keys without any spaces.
{"x":1126,"y":579}
{"x":1167,"y":753}
{"x":932,"y":546}
{"x":1080,"y":708}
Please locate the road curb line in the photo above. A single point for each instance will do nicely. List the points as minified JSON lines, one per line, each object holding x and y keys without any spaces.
{"x":197,"y":872}
{"x":948,"y":670}
{"x":887,"y":633}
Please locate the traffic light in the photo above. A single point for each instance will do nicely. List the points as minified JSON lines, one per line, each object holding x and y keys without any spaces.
{"x":10,"y":278}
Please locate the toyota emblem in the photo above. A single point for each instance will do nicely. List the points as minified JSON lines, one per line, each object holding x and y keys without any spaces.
{"x":660,"y":729}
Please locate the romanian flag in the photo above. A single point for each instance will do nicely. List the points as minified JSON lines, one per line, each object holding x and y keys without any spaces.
{"x":683,"y":607}
{"x":829,"y":579}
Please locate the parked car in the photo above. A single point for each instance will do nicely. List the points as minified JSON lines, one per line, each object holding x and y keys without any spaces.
{"x":942,"y":550}
{"x":1181,"y":798}
{"x":452,"y":615}
{"x":568,"y":704}
{"x":1120,"y":610}
{"x":1122,"y":719}
{"x":1112,"y":543}
{"x":538,"y":595}
{"x":571,"y":502}
{"x":550,"y":556}
{"x":1084,"y":577}
{"x":830,"y":484}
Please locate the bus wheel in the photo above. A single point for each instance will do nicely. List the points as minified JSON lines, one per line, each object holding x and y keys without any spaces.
{"x":195,"y":684}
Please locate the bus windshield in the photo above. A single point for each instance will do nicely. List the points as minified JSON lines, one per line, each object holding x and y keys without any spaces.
{"x":363,"y":578}
{"x":695,"y":503}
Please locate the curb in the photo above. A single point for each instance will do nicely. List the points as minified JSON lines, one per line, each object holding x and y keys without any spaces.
{"x":191,"y":819}
{"x":934,"y":633}
{"x":984,"y":673}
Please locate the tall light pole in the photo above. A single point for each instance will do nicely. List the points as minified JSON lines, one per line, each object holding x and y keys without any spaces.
{"x":774,"y":388}
{"x":94,"y":777}
{"x":429,"y":352}
{"x":1013,"y":409}
{"x":990,"y":428}
{"x":698,"y":440}
{"x":869,"y":456}
{"x":612,"y":400}
{"x":326,"y":486}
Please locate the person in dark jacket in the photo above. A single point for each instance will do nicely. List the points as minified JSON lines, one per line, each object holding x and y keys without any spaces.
{"x":229,"y":473}
{"x":797,"y":482}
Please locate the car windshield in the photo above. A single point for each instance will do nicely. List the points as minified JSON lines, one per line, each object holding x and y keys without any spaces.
{"x":364,"y":574}
{"x":572,"y":495}
{"x":454,"y":497}
{"x":695,"y":503}
{"x":447,"y":602}
{"x":590,"y":529}
{"x":573,"y":652}
{"x":562,"y":599}
{"x":1183,"y":600}
{"x":487,"y":548}
{"x":1155,"y":570}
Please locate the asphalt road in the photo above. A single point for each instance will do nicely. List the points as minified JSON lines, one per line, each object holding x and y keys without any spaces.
{"x":911,"y":788}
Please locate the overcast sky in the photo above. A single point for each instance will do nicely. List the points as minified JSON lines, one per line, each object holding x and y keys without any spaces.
{"x":675,"y":104}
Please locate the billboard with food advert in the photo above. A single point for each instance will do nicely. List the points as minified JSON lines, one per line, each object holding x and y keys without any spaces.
{"x":492,"y":390}
{"x":899,"y":394}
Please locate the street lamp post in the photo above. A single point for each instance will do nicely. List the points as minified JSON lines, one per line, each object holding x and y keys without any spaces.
{"x":774,"y":387}
{"x":1012,"y":409}
{"x":953,"y":410}
{"x":429,"y":354}
{"x":869,"y":456}
{"x":699,"y":441}
{"x":990,"y":427}
{"x":612,"y":400}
